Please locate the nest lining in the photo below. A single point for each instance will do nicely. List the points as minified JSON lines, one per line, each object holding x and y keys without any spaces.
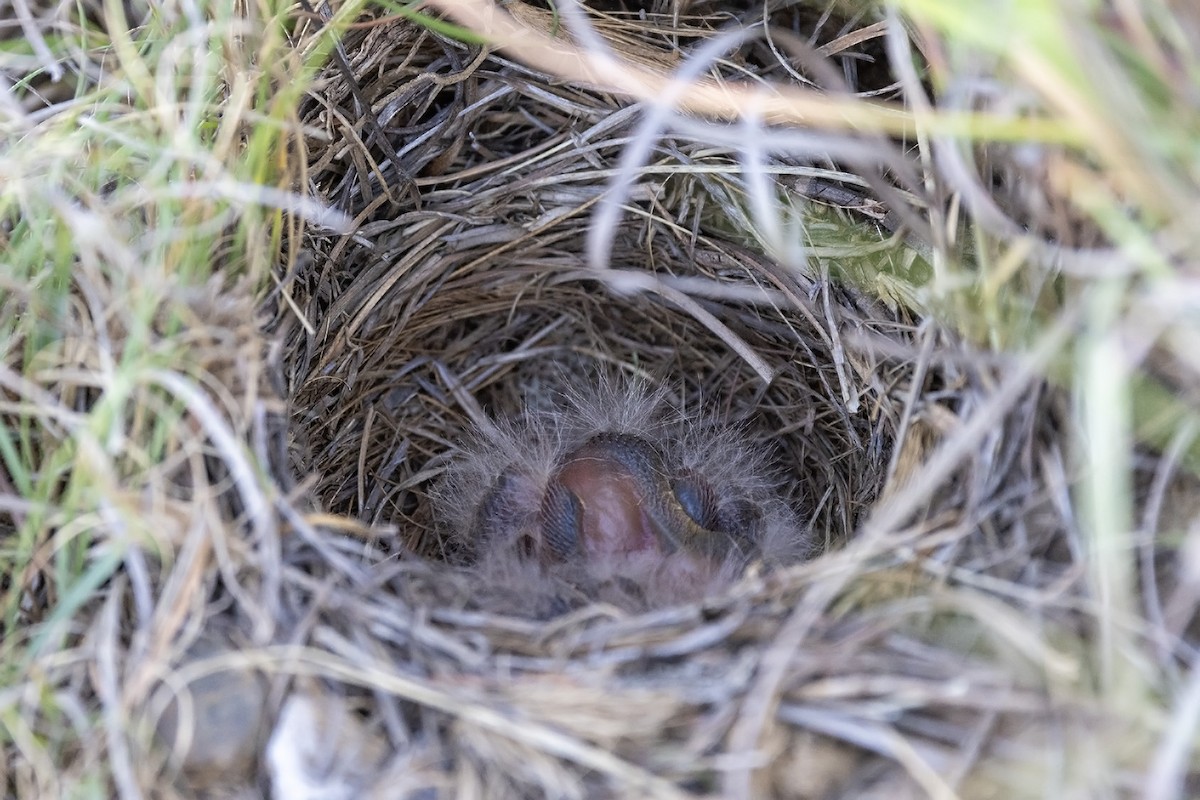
{"x":518,"y":337}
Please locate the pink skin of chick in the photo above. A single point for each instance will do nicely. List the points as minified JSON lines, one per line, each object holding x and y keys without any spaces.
{"x":609,"y":487}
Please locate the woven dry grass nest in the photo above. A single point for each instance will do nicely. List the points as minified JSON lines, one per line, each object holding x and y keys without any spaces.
{"x":476,"y":305}
{"x":463,"y":300}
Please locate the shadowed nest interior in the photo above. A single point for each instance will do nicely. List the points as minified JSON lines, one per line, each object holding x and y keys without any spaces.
{"x":478,"y":299}
{"x":464,"y":292}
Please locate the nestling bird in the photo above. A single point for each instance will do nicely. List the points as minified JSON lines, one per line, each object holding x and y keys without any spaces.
{"x":610,"y":494}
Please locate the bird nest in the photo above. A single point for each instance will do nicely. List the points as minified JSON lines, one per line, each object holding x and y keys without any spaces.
{"x":462,"y":310}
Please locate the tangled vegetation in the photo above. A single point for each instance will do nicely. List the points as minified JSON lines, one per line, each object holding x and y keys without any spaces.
{"x":267,"y":270}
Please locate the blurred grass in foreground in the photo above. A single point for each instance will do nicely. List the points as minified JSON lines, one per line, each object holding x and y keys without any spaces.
{"x":146,"y":178}
{"x":1109,"y":224}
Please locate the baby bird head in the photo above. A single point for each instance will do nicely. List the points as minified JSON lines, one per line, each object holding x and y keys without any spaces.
{"x":610,"y":494}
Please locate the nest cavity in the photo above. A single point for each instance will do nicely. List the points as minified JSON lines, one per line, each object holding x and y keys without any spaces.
{"x":464,"y":294}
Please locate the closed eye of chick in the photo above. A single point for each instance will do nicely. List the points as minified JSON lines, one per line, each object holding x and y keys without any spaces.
{"x":609,"y":495}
